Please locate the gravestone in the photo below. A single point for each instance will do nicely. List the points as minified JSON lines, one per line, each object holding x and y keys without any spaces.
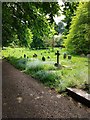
{"x":43,"y":58}
{"x":35,"y":55}
{"x":48,"y":57}
{"x":64,"y":55}
{"x":24,"y":55}
{"x":57,"y":64}
{"x":82,"y":55}
{"x":88,"y":56}
{"x":69,"y":57}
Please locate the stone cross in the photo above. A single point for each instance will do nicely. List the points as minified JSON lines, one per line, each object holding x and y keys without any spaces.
{"x":57,"y":53}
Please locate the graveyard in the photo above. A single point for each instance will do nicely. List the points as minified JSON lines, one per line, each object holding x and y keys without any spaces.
{"x":55,"y":72}
{"x":45,"y":59}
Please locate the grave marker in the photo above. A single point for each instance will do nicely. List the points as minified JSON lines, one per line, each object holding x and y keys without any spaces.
{"x":64,"y":55}
{"x":43,"y":58}
{"x":35,"y":55}
{"x":24,"y":55}
{"x":69,"y":57}
{"x":48,"y":57}
{"x":88,"y":56}
{"x":57,"y":53}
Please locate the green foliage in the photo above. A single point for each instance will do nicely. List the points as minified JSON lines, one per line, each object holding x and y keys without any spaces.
{"x":38,"y":65}
{"x":24,"y":19}
{"x":74,"y":72}
{"x":47,"y":77}
{"x":28,"y":36}
{"x":37,"y":43}
{"x":77,"y":41}
{"x":21,"y":63}
{"x":69,"y":10}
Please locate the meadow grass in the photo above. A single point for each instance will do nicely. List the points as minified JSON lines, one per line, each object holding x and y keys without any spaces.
{"x":73,"y":73}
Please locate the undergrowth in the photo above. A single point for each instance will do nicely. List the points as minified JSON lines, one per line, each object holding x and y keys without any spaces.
{"x":74,"y":72}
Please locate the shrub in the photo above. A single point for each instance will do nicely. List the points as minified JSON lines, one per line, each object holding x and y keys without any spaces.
{"x":48,"y":78}
{"x":21,"y":64}
{"x":38,"y":65}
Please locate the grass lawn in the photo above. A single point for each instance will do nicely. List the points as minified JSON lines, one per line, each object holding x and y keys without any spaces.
{"x":73,"y":73}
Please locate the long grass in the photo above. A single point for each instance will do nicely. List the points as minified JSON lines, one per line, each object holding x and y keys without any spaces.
{"x":73,"y":73}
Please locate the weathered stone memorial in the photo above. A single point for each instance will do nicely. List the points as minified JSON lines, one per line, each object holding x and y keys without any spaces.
{"x":43,"y":58}
{"x":69,"y":57}
{"x":48,"y":57}
{"x":64,"y":55}
{"x":24,"y":55}
{"x":35,"y":55}
{"x":88,"y":56}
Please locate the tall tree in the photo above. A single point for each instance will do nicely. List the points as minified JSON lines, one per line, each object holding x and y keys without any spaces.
{"x":78,"y":38}
{"x":19,"y":16}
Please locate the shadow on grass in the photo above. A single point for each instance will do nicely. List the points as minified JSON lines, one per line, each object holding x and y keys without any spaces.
{"x":19,"y":63}
{"x":37,"y":71}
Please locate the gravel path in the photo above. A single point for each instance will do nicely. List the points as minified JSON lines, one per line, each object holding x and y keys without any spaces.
{"x":25,"y":97}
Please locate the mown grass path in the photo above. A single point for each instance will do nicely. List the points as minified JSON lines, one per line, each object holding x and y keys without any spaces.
{"x":25,"y":97}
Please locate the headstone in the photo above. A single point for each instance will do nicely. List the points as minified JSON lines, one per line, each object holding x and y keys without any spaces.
{"x":48,"y":57}
{"x":57,"y":53}
{"x":24,"y":55}
{"x":88,"y":56}
{"x":82,"y":55}
{"x":64,"y":55}
{"x":43,"y":58}
{"x":35,"y":55}
{"x":69,"y":57}
{"x":41,"y":53}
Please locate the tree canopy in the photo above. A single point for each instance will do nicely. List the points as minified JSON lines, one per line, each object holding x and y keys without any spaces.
{"x":19,"y":18}
{"x":77,"y":41}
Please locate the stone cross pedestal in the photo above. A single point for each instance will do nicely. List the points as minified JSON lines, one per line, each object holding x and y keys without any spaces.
{"x":57,"y":53}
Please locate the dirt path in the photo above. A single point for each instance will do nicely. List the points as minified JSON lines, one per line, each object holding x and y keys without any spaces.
{"x":25,"y":97}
